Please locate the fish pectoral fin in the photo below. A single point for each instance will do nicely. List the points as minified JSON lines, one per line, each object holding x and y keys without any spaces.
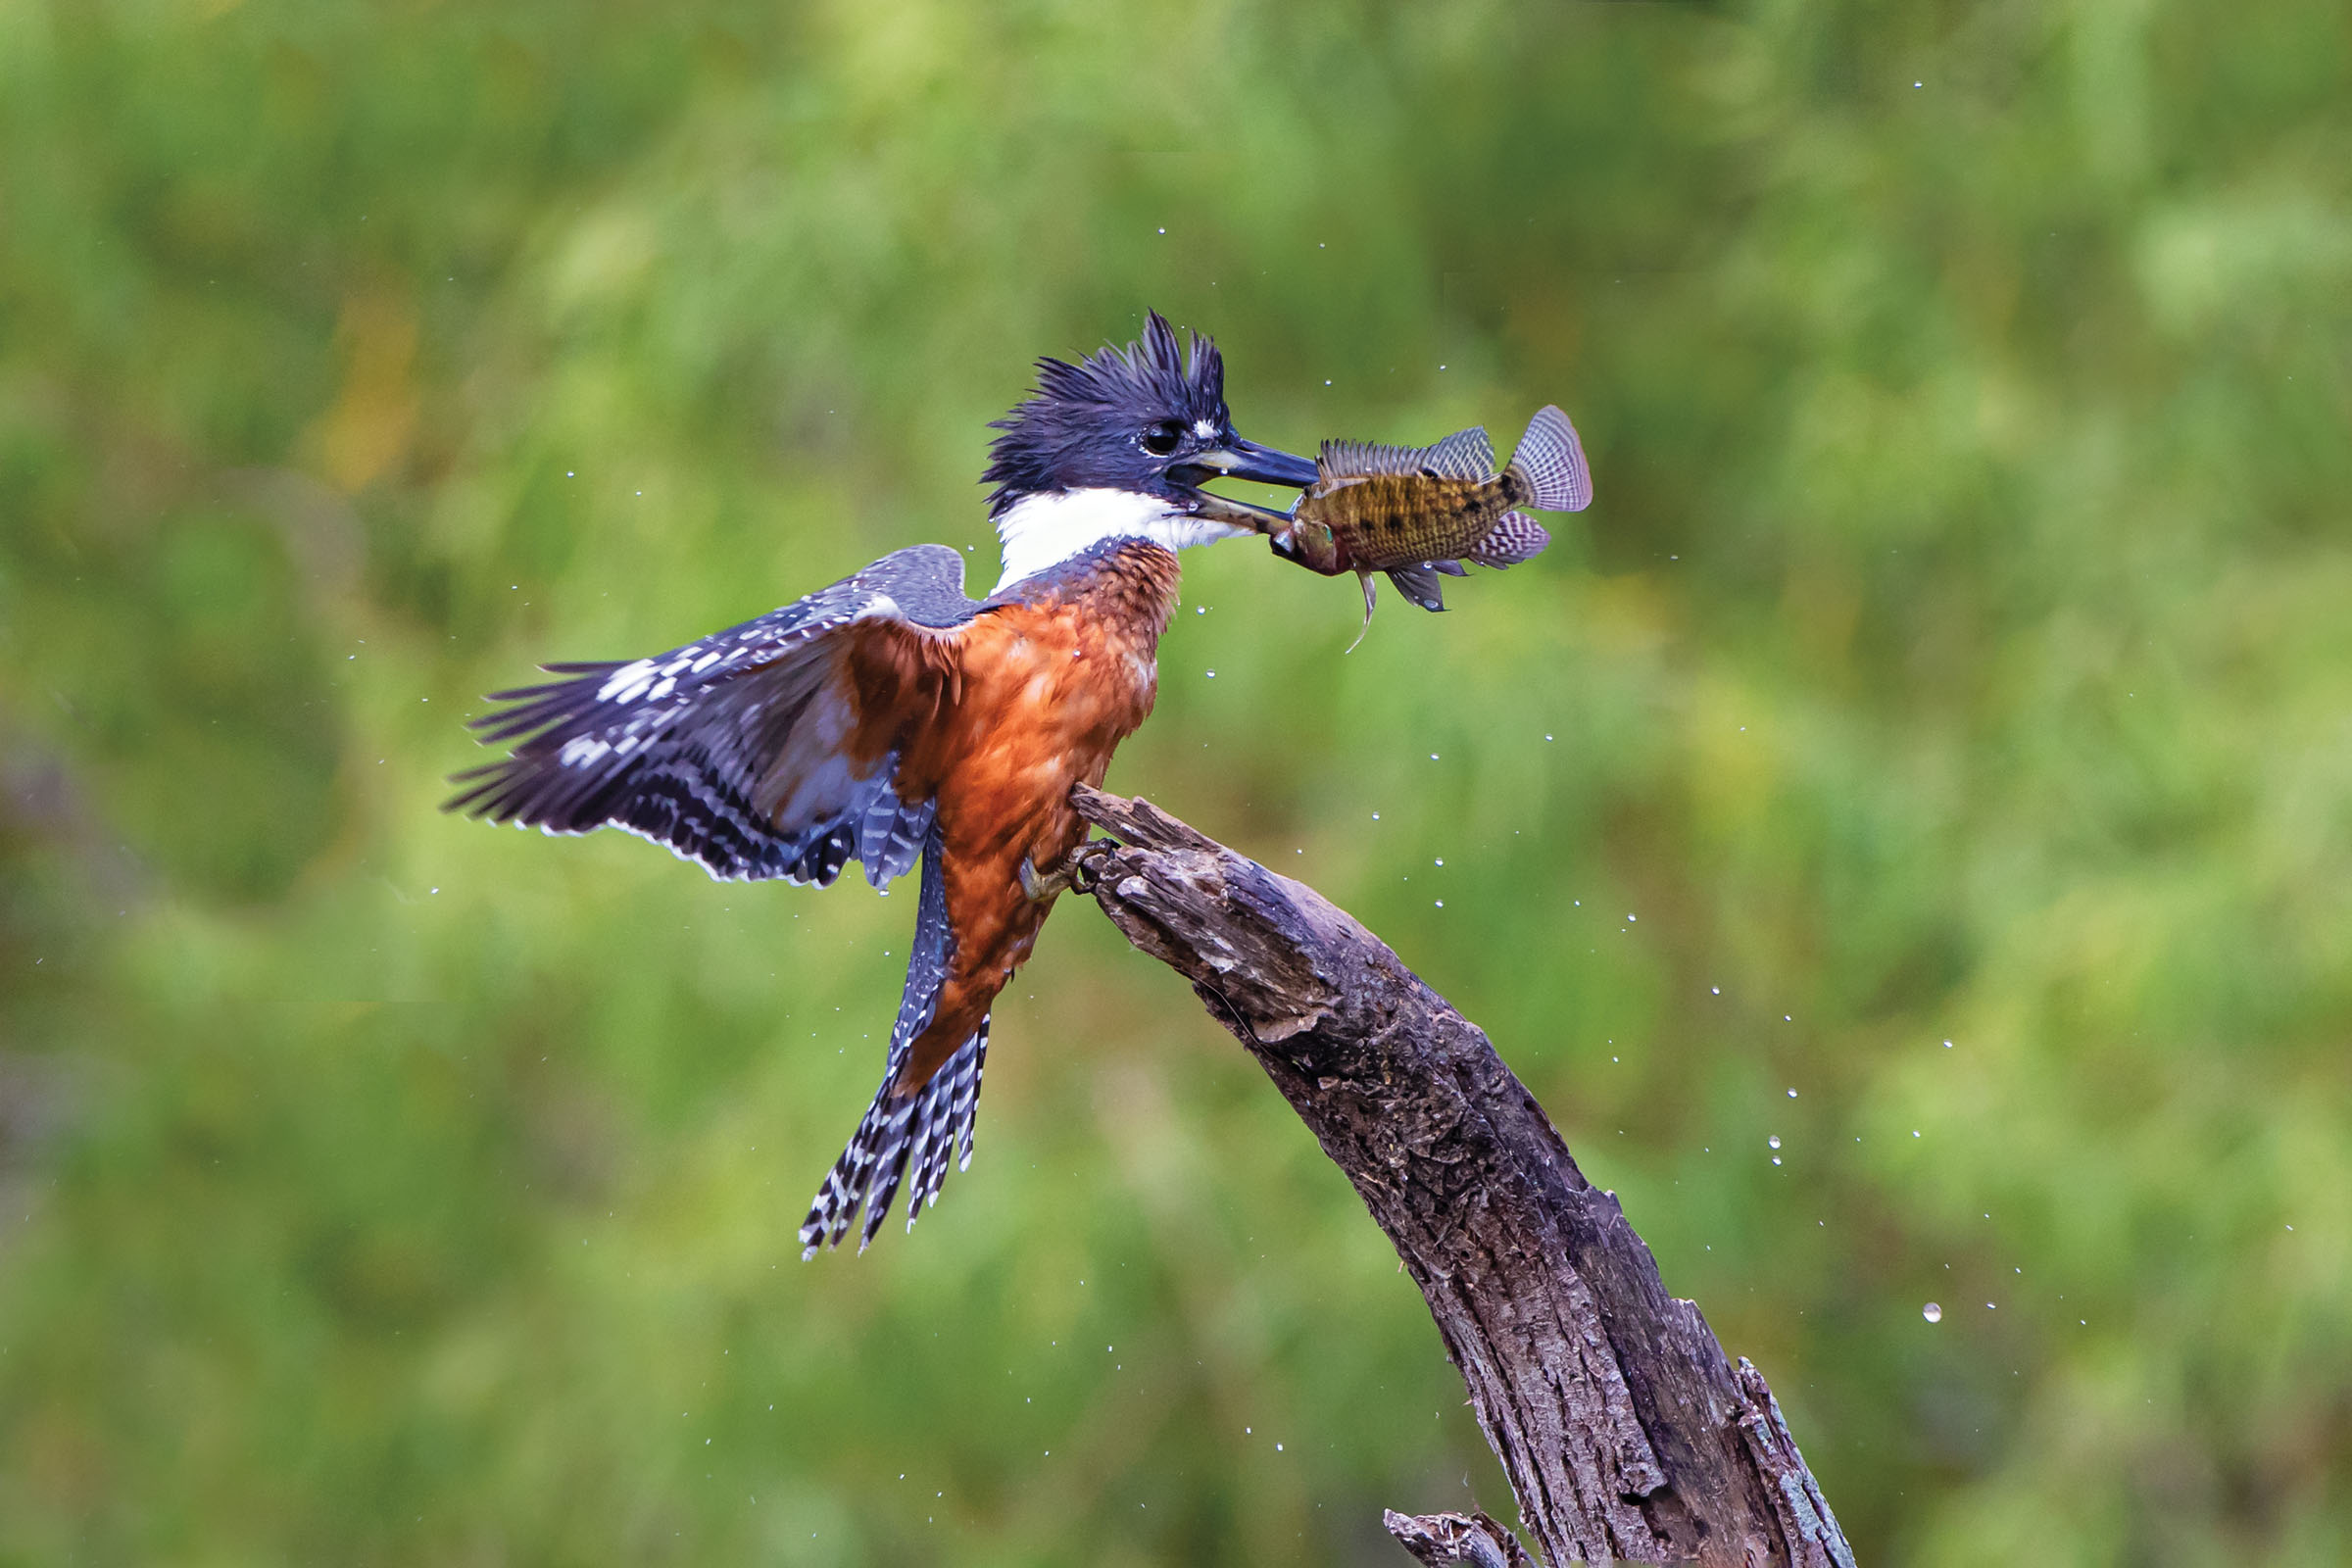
{"x":1420,"y":585}
{"x":1452,"y":568}
{"x":1371,"y":600}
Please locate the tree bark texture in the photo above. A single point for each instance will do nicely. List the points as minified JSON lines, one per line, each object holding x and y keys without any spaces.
{"x":1626,"y":1431}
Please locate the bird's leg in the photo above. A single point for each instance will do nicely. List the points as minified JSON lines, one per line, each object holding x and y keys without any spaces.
{"x":1041,"y":885}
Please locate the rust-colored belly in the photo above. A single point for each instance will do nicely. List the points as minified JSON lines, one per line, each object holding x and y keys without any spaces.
{"x":1048,"y":692}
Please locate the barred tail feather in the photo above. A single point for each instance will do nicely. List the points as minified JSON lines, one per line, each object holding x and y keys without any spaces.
{"x":906,"y":1139}
{"x":902,"y":1142}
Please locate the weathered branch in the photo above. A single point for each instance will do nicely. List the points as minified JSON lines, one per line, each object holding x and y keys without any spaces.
{"x":1624,"y":1429}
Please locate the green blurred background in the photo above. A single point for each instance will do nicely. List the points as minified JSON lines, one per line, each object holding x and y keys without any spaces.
{"x":1934,"y":751}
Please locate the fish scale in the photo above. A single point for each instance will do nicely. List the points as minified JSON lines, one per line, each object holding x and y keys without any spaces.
{"x":1385,"y":520}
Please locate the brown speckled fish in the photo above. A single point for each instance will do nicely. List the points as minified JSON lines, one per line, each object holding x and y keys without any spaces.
{"x":1414,"y":513}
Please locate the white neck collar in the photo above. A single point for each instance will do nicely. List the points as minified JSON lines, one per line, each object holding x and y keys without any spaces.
{"x":1044,"y":530}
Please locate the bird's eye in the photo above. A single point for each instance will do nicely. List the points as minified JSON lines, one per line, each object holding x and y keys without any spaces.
{"x":1162,"y":438}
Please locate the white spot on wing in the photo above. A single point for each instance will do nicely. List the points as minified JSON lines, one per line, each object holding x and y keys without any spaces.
{"x":629,"y":678}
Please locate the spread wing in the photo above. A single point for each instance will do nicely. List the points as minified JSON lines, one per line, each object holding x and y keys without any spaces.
{"x":754,"y":752}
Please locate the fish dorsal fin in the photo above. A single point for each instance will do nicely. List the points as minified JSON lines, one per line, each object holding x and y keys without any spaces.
{"x":1353,"y":459}
{"x":1464,"y":454}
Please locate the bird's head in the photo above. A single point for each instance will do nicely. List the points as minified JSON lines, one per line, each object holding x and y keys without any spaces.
{"x":1119,"y":445}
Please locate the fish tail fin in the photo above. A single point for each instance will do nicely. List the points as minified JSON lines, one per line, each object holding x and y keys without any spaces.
{"x":1550,"y":461}
{"x":1420,"y":585}
{"x":1515,"y":537}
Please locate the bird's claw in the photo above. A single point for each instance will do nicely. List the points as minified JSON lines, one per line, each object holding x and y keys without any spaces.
{"x":1039,"y":886}
{"x":1066,"y":875}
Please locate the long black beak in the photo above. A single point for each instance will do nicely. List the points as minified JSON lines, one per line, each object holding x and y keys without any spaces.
{"x":1243,"y":460}
{"x":1246,"y":460}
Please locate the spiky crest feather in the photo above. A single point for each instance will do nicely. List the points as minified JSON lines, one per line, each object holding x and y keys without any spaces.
{"x":1077,"y":429}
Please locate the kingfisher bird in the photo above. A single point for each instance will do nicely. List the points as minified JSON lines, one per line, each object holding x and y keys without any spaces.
{"x":890,"y":718}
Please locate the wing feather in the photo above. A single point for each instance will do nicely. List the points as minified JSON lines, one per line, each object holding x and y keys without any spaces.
{"x":732,"y":750}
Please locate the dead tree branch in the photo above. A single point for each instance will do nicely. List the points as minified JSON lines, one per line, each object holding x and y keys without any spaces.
{"x":1625,"y":1430}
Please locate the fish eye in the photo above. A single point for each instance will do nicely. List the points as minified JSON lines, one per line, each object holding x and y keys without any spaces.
{"x":1163,"y":438}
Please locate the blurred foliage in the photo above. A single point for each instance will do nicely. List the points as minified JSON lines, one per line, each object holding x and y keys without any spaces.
{"x":1934,"y":751}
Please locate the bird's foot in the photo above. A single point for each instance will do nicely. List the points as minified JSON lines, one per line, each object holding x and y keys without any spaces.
{"x":1065,"y":874}
{"x":1039,"y":886}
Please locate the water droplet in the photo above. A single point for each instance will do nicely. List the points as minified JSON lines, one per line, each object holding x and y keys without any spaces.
{"x":1629,"y":919}
{"x":1440,"y":860}
{"x":1440,"y":903}
{"x":1715,"y":991}
{"x":1212,"y":674}
{"x":1774,"y":1142}
{"x":1932,"y":1313}
{"x":1792,"y":1093}
{"x":1776,"y":1160}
